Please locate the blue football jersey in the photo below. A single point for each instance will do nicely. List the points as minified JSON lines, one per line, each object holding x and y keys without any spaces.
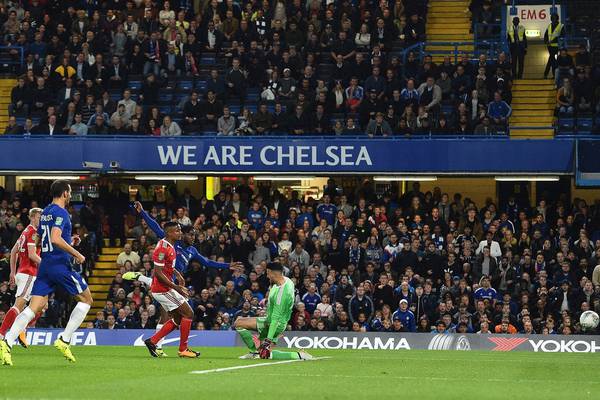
{"x":54,"y":216}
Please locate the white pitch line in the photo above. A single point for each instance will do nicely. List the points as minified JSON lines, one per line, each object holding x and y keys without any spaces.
{"x":209,"y":371}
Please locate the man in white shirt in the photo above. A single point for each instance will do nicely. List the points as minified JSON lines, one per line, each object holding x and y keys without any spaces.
{"x":489,"y":241}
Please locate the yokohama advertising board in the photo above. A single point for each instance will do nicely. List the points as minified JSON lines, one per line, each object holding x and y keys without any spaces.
{"x":422,"y":341}
{"x":339,"y":340}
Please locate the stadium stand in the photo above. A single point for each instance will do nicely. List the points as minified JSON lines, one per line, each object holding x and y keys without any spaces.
{"x":383,"y":47}
{"x":467,"y":267}
{"x":300,"y":68}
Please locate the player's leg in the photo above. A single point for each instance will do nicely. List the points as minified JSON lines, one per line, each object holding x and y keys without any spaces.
{"x":137,"y":276}
{"x":11,"y":315}
{"x":24,"y":284}
{"x":164,"y":317}
{"x":168,"y":303}
{"x":77,"y":287}
{"x":279,"y":327}
{"x":36,"y":305}
{"x":186,"y":315}
{"x":244,"y":327}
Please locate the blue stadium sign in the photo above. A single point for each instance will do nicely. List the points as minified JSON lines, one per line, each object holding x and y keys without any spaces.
{"x":291,"y":155}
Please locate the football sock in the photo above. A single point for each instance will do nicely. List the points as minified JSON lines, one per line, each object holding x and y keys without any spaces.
{"x":184,"y":331}
{"x":247,"y":338}
{"x":19,"y":325}
{"x":34,"y":320}
{"x":284,"y":355}
{"x":145,"y":279}
{"x":9,"y":318}
{"x":160,"y":342}
{"x":167,"y":328}
{"x":75,"y":320}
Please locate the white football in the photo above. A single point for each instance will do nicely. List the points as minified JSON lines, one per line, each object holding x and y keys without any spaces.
{"x":589,"y":320}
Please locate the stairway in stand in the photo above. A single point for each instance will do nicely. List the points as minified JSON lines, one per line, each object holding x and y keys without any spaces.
{"x":102,"y":276}
{"x":448,"y":21}
{"x":533,"y":104}
{"x":6,"y":86}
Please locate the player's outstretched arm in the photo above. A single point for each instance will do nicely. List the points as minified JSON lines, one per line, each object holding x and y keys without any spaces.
{"x":152,"y":224}
{"x":207,"y":262}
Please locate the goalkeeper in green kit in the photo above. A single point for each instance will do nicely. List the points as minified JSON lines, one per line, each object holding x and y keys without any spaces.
{"x":279,"y":310}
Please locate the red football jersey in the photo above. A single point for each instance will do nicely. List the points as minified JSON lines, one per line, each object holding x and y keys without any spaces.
{"x":164,"y":256}
{"x":28,"y":238}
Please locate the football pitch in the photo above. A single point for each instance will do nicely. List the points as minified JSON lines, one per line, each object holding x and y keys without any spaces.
{"x":129,"y":372}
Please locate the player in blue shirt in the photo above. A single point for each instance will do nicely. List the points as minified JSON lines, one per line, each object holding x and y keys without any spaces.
{"x":55,"y":270}
{"x":326,"y":211}
{"x":185,"y":251}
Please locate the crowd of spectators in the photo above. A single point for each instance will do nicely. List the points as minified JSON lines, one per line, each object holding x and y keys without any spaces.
{"x":243,"y":68}
{"x":416,"y":262}
{"x":577,"y":81}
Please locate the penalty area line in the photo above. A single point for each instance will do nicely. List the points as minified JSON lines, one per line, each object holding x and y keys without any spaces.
{"x":210,"y":371}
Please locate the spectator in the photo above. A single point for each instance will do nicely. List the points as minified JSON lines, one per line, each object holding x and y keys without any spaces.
{"x":226,"y":123}
{"x":379,"y":126}
{"x":565,"y":98}
{"x":128,"y":255}
{"x":13,"y":128}
{"x":20,"y":98}
{"x":499,"y":111}
{"x":169,"y":127}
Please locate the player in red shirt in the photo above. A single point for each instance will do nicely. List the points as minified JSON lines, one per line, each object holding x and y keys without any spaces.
{"x":26,"y":254}
{"x":172,"y":297}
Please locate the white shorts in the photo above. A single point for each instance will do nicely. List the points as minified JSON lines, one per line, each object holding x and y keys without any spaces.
{"x":170,"y":300}
{"x":24,"y":285}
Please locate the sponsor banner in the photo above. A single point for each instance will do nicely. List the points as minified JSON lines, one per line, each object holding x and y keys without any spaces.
{"x":535,"y":18}
{"x":132,"y":337}
{"x":422,"y":341}
{"x":337,"y":340}
{"x":271,"y":155}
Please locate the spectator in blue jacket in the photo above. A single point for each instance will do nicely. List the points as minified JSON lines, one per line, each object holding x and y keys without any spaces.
{"x":485,"y":292}
{"x":326,"y":210}
{"x":405,"y":316}
{"x":360,"y":304}
{"x":256,"y":216}
{"x":311,"y":298}
{"x":499,"y":111}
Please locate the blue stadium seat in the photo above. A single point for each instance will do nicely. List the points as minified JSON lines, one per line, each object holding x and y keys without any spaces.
{"x":201,"y":85}
{"x":165,"y":109}
{"x":207,"y":61}
{"x":165,"y":97}
{"x":565,"y":124}
{"x":185,"y":85}
{"x":235,"y":108}
{"x":584,"y":125}
{"x":135,"y":85}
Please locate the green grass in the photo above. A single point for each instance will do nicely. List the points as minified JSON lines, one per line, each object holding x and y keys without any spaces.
{"x":128,"y":372}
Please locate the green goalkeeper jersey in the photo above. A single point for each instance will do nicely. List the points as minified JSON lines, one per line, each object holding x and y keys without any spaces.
{"x":279,"y":309}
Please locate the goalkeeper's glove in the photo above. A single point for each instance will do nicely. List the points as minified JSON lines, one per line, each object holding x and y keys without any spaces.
{"x":264,"y":351}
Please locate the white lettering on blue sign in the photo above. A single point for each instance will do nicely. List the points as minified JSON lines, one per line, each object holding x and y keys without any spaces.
{"x":281,"y":156}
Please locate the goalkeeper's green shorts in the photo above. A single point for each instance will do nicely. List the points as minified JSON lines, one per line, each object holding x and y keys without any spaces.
{"x":263,"y":325}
